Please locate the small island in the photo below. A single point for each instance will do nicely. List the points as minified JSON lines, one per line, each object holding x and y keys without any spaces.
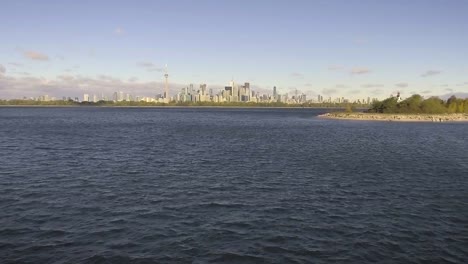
{"x":412,"y":109}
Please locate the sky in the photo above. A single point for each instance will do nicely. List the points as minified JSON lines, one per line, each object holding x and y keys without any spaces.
{"x":347,"y":48}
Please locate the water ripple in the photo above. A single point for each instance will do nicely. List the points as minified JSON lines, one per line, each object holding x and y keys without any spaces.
{"x":105,"y":185}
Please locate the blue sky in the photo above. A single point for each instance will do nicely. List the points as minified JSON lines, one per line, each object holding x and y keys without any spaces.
{"x":344,"y":48}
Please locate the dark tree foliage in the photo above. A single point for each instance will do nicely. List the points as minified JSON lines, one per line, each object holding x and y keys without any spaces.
{"x":416,"y":104}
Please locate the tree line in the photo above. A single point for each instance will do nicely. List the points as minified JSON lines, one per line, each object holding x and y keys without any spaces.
{"x":417,"y":104}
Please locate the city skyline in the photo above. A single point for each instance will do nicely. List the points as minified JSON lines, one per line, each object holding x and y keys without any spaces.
{"x":231,"y":93}
{"x":350,"y":49}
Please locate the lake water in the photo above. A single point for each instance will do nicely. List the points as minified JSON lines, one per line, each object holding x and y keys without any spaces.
{"x":187,"y":185}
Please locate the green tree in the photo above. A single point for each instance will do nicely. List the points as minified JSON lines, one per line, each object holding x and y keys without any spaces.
{"x":433,"y":105}
{"x":411,"y":104}
{"x":452,"y":104}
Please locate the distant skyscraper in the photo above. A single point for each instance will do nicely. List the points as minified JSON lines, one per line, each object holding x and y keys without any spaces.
{"x":246,"y":95}
{"x":274,"y":92}
{"x":85,"y":97}
{"x":166,"y":87}
{"x":203,"y":89}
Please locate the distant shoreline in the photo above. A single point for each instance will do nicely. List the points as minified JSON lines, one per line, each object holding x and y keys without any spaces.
{"x":397,"y":117}
{"x":166,"y":106}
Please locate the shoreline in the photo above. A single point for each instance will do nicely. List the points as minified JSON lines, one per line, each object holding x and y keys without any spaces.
{"x":431,"y":118}
{"x":167,"y":106}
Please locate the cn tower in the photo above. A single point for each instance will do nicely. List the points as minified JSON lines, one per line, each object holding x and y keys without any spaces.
{"x":166,"y":87}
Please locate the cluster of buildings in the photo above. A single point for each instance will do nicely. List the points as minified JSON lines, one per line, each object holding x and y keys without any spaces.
{"x":341,"y":100}
{"x":232,"y":93}
{"x":235,"y":93}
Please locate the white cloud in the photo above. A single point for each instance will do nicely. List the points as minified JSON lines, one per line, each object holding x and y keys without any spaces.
{"x":34,"y":55}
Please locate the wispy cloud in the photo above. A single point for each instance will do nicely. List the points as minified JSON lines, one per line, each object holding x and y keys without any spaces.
{"x":329,"y":91}
{"x":401,"y":85}
{"x":297,"y":75}
{"x":430,"y":73}
{"x":145,"y":64}
{"x":354,"y":92}
{"x":23,"y":73}
{"x":449,"y":90}
{"x":119,"y":31}
{"x":426,"y":92}
{"x":377,"y":91}
{"x":65,"y":77}
{"x":2,"y":69}
{"x":360,"y":71}
{"x":76,"y":85}
{"x":341,"y":86}
{"x":34,"y":55}
{"x":308,"y":85}
{"x":372,"y":85}
{"x":108,"y":78}
{"x":149,"y":66}
{"x":15,"y":64}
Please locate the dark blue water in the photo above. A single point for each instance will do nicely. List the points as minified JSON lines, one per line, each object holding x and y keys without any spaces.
{"x":117,"y":185}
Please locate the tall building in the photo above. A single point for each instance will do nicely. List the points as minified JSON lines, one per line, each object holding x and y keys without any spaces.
{"x":274,"y":92}
{"x":85,"y":97}
{"x":203,"y":89}
{"x":166,"y":87}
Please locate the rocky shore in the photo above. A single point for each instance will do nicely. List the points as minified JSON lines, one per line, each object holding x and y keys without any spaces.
{"x":398,"y":117}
